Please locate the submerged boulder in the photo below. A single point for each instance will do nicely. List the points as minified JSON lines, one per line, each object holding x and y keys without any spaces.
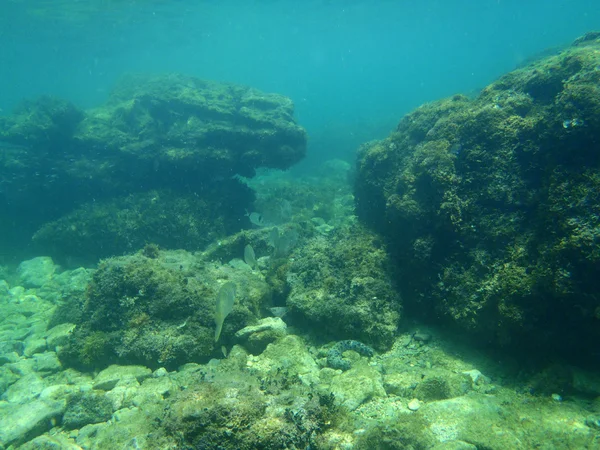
{"x":159,"y":311}
{"x":491,"y":205}
{"x":177,"y":129}
{"x":172,"y":133}
{"x":166,"y":218}
{"x":341,"y":286}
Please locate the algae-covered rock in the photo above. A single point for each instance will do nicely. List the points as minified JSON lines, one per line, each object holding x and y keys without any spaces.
{"x":288,"y":355}
{"x":84,"y":408}
{"x":490,"y":205}
{"x":468,"y":419}
{"x":36,"y":272}
{"x":356,"y":386}
{"x":171,"y":220}
{"x":226,"y":406}
{"x":108,"y":378}
{"x":159,"y":311}
{"x":256,"y":337}
{"x":171,"y":133}
{"x":20,"y":422}
{"x":341,"y":287}
{"x":409,"y":431}
{"x":196,"y":127}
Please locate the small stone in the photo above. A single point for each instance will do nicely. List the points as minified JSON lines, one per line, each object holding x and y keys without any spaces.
{"x":19,"y":423}
{"x":160,"y":372}
{"x":16,"y":293}
{"x":86,"y":408}
{"x":87,"y":434}
{"x":355,"y":387}
{"x":7,"y":358}
{"x":36,"y":272}
{"x":46,"y":363}
{"x":109,"y":377}
{"x":33,"y":346}
{"x":266,"y":324}
{"x":25,"y":389}
{"x":59,"y":392}
{"x":49,"y":442}
{"x":22,"y":367}
{"x":10,"y":346}
{"x":421,"y":336}
{"x":414,"y":404}
{"x":59,"y":335}
{"x":257,"y":337}
{"x":477,"y":377}
{"x":278,"y":311}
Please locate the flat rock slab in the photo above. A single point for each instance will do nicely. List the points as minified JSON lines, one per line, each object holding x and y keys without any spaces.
{"x":36,"y":272}
{"x":112,"y":375}
{"x":19,"y":423}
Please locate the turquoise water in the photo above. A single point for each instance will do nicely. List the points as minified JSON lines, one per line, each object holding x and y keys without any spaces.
{"x":351,"y":68}
{"x":320,"y":225}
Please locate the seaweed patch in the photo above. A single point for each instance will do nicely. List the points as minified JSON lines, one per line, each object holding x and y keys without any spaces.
{"x":334,"y":356}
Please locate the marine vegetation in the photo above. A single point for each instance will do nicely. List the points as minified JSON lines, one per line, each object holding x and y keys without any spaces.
{"x":341,"y":286}
{"x":164,"y":218}
{"x":160,"y":312}
{"x":156,"y":138}
{"x":491,"y":206}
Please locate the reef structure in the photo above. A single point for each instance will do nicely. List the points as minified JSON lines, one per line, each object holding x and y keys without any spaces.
{"x":157,"y":140}
{"x":491,"y":206}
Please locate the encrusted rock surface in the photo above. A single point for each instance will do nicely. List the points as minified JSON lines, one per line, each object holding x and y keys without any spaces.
{"x":157,"y":140}
{"x":282,"y":397}
{"x":491,"y":206}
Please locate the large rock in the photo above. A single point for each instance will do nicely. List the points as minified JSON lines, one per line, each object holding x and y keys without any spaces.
{"x":159,"y":311}
{"x":36,"y":272}
{"x":341,"y":286}
{"x":491,"y":205}
{"x":21,"y":422}
{"x":186,"y":127}
{"x":173,"y":134}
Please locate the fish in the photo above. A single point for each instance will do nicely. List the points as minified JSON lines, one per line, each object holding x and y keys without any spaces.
{"x":256,"y":219}
{"x":225,"y":301}
{"x":249,"y":256}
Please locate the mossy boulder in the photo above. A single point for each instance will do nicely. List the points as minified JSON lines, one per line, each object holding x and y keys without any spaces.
{"x":182,"y":126}
{"x":84,"y":408}
{"x":159,"y":312}
{"x":238,"y":410}
{"x":175,"y":134}
{"x":490,"y":205}
{"x":341,"y":286}
{"x":163,"y":218}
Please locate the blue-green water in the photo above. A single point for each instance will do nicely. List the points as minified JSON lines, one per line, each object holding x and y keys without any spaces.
{"x":321,"y":225}
{"x":352,"y":68}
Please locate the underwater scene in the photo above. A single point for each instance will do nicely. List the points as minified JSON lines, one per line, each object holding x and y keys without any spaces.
{"x":319,"y":225}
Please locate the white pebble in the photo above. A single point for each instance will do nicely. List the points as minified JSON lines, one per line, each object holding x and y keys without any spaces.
{"x":414,"y":404}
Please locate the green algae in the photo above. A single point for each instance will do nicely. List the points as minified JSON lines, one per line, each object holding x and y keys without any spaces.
{"x":489,"y":205}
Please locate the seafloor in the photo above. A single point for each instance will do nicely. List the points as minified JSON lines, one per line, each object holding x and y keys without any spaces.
{"x":271,"y":385}
{"x":441,"y":294}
